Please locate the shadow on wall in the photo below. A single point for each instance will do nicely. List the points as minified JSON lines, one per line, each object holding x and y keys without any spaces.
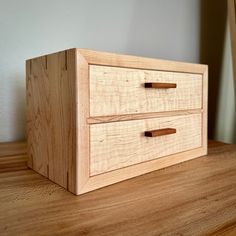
{"x":213,"y":27}
{"x":234,"y":133}
{"x":19,"y":118}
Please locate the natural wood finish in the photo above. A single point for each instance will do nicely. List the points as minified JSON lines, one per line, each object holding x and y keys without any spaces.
{"x":232,"y":24}
{"x":13,"y":156}
{"x":159,"y":132}
{"x":82,"y":128}
{"x":140,"y":116}
{"x":110,"y":144}
{"x":51,"y":116}
{"x":12,"y":149}
{"x":160,"y":85}
{"x":115,"y":176}
{"x":60,"y":117}
{"x":193,"y":198}
{"x":13,"y":163}
{"x":35,"y":102}
{"x":58,"y":106}
{"x":128,"y":61}
{"x":118,"y":91}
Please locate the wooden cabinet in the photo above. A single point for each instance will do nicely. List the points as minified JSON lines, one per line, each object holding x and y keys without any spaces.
{"x":96,"y":118}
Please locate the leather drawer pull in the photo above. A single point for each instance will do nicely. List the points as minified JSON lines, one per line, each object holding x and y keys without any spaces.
{"x":160,"y":85}
{"x":160,"y":132}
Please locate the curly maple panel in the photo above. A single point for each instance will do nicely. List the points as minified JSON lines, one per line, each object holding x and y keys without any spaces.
{"x":117,"y":91}
{"x":121,"y":144}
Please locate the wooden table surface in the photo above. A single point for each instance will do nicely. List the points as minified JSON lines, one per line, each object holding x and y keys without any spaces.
{"x":197,"y":197}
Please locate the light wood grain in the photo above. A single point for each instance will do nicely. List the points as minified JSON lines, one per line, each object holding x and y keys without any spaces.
{"x":82,"y":113}
{"x":110,"y":144}
{"x":51,"y":116}
{"x":125,"y":173}
{"x":12,"y":148}
{"x":140,"y":116}
{"x":118,"y":91}
{"x":37,"y":89}
{"x":193,"y":198}
{"x":60,"y":113}
{"x":128,"y":61}
{"x":71,"y":106}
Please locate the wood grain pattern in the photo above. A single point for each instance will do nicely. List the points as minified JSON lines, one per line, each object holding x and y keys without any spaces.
{"x":13,"y":163}
{"x":13,"y":156}
{"x":139,"y":116}
{"x":51,"y":116}
{"x":60,"y":117}
{"x":12,"y":149}
{"x":37,"y":107}
{"x":160,"y":85}
{"x":128,"y":61}
{"x":193,"y":198}
{"x":110,"y":144}
{"x":82,"y":128}
{"x":69,"y":128}
{"x":117,"y":91}
{"x":108,"y":178}
{"x":159,"y":132}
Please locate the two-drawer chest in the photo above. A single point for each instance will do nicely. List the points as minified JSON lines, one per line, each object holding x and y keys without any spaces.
{"x":97,"y":118}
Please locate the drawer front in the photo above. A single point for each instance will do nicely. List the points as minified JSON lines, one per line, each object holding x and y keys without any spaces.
{"x":119,"y":91}
{"x":121,"y":144}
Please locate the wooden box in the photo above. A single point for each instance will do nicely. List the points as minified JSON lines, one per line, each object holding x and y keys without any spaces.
{"x":97,"y":118}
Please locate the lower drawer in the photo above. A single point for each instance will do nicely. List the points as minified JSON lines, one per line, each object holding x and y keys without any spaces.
{"x":121,"y":144}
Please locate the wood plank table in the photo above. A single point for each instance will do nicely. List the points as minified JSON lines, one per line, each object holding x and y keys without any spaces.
{"x":197,"y":197}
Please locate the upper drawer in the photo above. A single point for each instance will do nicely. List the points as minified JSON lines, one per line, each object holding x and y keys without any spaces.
{"x":119,"y":91}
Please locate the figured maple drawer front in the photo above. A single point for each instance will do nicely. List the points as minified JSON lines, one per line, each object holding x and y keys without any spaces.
{"x":121,"y":144}
{"x":118,"y":91}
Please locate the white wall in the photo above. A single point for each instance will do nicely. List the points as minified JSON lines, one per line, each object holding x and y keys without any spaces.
{"x":167,"y":29}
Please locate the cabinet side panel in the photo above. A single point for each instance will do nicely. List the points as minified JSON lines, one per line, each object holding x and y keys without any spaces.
{"x":61,"y":120}
{"x":28,"y":112}
{"x":51,"y":117}
{"x":38,"y":108}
